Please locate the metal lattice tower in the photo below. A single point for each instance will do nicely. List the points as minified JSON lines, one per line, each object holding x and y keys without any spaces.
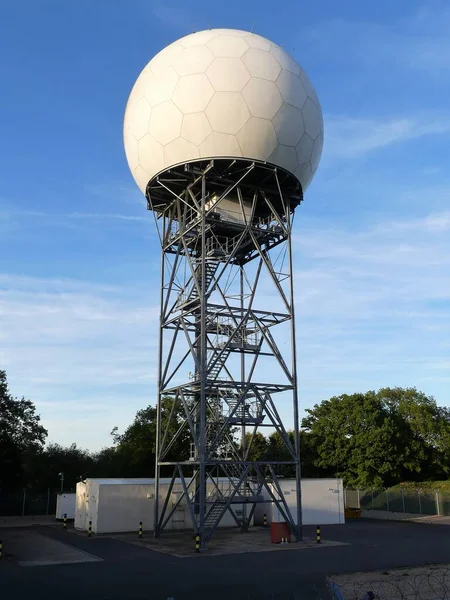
{"x":226,"y":308}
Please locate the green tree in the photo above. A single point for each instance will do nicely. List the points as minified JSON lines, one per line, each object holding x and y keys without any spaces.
{"x":21,"y":435}
{"x":136,"y":448}
{"x":379,"y":438}
{"x":43,"y":466}
{"x":258,"y":446}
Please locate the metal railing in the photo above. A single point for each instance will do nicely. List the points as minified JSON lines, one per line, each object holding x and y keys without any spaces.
{"x":407,"y":501}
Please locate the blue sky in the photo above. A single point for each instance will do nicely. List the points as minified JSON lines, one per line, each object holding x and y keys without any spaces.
{"x":78,"y":251}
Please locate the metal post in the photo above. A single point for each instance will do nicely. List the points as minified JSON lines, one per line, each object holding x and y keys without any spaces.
{"x":403,"y":500}
{"x":359,"y":499}
{"x":438,"y":508}
{"x":156,"y":531}
{"x":387,"y":499}
{"x":203,"y":359}
{"x":243,"y":440}
{"x":299,"y":530}
{"x":420,"y":502}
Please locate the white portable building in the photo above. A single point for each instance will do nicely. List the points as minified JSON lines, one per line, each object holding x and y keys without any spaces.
{"x":118,"y":505}
{"x":322,"y":502}
{"x":65,"y":505}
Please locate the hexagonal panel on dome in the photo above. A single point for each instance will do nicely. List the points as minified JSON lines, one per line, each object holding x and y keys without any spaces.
{"x":220,"y":144}
{"x":142,"y":177}
{"x":165,"y":122}
{"x":233,"y":32}
{"x":166,"y":58}
{"x":256,"y":41}
{"x":261,"y":64}
{"x":192,"y":93}
{"x":304,"y":149}
{"x":150,"y":154}
{"x":195,"y":128}
{"x":313,"y":118}
{"x":284,"y":156}
{"x":131,"y":148}
{"x":287,"y":62}
{"x":317,"y":152}
{"x":227,"y":112}
{"x":197,"y":38}
{"x":228,"y":45}
{"x":292,"y":89}
{"x":257,"y":138}
{"x":227,"y":74}
{"x":160,"y":88}
{"x":145,"y":79}
{"x":195,"y":59}
{"x":288,"y":124}
{"x":309,"y":88}
{"x":262,"y":97}
{"x":304,"y":174}
{"x":180,"y":150}
{"x":139,"y":118}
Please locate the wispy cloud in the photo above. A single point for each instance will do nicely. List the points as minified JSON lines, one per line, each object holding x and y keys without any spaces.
{"x":418,"y":41}
{"x":371,"y":310}
{"x":51,"y":216}
{"x":374,"y":303}
{"x":78,"y":346}
{"x":348,"y":137}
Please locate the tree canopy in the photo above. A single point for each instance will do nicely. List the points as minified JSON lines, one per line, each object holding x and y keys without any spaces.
{"x":21,"y":435}
{"x":372,"y":439}
{"x":380,"y":438}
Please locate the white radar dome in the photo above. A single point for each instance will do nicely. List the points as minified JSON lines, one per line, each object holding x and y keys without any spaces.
{"x":223,"y":93}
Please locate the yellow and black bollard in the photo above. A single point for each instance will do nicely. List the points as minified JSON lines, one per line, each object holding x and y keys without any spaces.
{"x":197,"y":543}
{"x":318,"y":534}
{"x":265,"y":520}
{"x":1,"y":550}
{"x":65,"y":521}
{"x":90,"y":529}
{"x":140,"y":529}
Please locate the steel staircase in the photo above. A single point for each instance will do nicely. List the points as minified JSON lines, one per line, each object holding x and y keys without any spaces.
{"x":217,"y":362}
{"x":193,"y":296}
{"x":214,"y":512}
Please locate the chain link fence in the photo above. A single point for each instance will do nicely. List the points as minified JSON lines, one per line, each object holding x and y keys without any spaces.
{"x":417,"y":502}
{"x":27,"y":502}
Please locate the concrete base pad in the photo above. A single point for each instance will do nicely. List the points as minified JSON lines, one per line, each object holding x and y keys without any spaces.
{"x":31,"y":549}
{"x":224,"y":541}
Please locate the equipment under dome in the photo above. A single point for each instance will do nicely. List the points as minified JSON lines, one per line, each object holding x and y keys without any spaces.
{"x":223,"y":134}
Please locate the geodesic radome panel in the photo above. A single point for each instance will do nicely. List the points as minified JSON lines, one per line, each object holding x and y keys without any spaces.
{"x":223,"y":93}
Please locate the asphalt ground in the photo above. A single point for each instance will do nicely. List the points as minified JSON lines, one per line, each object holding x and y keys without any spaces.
{"x":129,"y":571}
